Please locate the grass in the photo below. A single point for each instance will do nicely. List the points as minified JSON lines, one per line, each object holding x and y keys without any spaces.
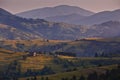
{"x":36,"y":62}
{"x":31,"y":42}
{"x":39,"y":61}
{"x":6,"y":57}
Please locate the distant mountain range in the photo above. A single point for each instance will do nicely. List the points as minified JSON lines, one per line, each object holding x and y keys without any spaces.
{"x":72,"y":15}
{"x":100,"y":17}
{"x":37,"y":27}
{"x":66,"y":18}
{"x":43,"y":13}
{"x":14,"y":27}
{"x":97,"y":18}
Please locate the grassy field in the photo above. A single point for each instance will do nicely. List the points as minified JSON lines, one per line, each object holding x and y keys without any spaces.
{"x":38,"y":62}
{"x":32,"y":42}
{"x":7,"y":57}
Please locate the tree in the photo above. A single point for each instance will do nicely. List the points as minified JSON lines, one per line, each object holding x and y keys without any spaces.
{"x":47,"y":70}
{"x":96,"y":55}
{"x":74,"y":78}
{"x":27,"y":79}
{"x":47,"y":78}
{"x":82,"y":77}
{"x":35,"y":78}
{"x":42,"y":78}
{"x":92,"y":76}
{"x":102,"y":77}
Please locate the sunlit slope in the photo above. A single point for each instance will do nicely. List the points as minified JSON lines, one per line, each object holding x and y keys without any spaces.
{"x":6,"y":57}
{"x":83,"y":47}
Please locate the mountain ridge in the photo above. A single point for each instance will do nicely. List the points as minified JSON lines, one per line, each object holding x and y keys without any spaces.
{"x":96,"y":18}
{"x":101,"y":17}
{"x":58,"y":31}
{"x":54,"y":11}
{"x":65,"y":18}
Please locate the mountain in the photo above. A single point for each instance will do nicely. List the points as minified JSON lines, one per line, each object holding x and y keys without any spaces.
{"x":4,"y":12}
{"x":100,"y":17}
{"x":109,"y":29}
{"x":41,"y":29}
{"x":11,"y":33}
{"x":54,"y":11}
{"x":11,"y":27}
{"x":66,"y":18}
{"x":106,"y":29}
{"x":72,"y":15}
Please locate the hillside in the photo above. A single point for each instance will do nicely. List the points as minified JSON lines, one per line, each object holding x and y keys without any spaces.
{"x":20,"y":65}
{"x":83,"y":47}
{"x":44,"y":65}
{"x":9,"y":32}
{"x":7,"y":57}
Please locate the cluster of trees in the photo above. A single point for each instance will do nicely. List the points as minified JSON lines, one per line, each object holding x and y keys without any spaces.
{"x":113,"y":74}
{"x":66,"y":54}
{"x":45,"y":71}
{"x":64,"y":62}
{"x":12,"y":72}
{"x":35,"y":78}
{"x":107,"y":54}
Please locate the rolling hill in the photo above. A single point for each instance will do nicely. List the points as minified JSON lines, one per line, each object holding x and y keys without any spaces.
{"x":63,"y":66}
{"x":81,"y":48}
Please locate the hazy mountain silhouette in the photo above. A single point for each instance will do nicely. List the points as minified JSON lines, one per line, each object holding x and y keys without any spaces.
{"x":54,"y":11}
{"x":97,"y":18}
{"x":66,"y":18}
{"x":100,"y":17}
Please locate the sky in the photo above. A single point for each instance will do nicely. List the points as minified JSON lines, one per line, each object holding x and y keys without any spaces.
{"x":16,"y":6}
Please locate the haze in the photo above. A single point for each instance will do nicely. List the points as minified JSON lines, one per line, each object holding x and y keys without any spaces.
{"x":16,"y":6}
